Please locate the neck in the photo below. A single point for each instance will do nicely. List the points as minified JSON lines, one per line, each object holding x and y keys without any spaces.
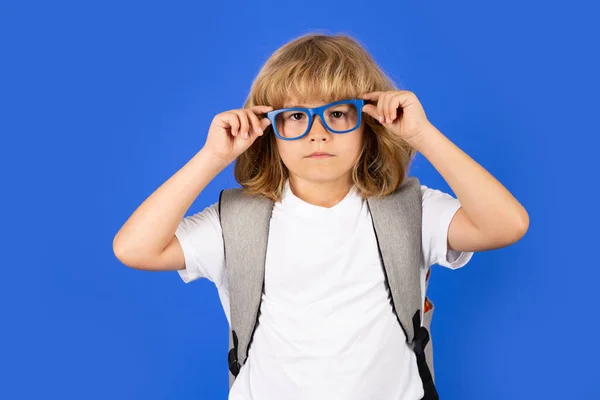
{"x":323,"y":194}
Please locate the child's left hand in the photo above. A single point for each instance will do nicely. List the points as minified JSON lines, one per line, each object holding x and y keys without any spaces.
{"x":409,"y":122}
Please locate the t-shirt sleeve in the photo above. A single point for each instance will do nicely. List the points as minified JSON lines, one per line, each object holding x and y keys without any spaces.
{"x":438,"y":209}
{"x":201,"y":239}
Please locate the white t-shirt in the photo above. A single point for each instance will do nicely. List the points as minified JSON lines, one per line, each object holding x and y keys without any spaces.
{"x":326,"y":328}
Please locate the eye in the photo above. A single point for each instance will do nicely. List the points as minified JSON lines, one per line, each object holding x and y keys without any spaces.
{"x":338,"y":114}
{"x":292,"y":117}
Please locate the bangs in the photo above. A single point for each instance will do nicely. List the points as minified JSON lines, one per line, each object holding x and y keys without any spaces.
{"x":313,"y":74}
{"x":314,"y":84}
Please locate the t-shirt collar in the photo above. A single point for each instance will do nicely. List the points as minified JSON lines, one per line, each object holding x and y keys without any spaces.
{"x":300,"y":207}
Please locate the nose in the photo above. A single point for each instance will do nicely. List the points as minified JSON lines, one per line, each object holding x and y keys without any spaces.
{"x":318,"y":131}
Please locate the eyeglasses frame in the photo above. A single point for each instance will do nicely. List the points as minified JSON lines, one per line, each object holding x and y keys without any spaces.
{"x":311,"y":112}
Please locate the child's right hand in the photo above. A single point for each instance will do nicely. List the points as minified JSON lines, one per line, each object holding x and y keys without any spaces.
{"x":226,"y":139}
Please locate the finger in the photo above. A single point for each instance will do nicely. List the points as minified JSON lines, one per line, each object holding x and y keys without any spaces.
{"x":264,"y":123}
{"x":254,"y":122}
{"x":375,"y":97}
{"x":381,"y":108}
{"x":261,"y":109}
{"x":371,"y":96}
{"x":371,"y":110}
{"x":244,"y":124}
{"x":393,"y":104}
{"x":231,"y":121}
{"x":388,"y":107}
{"x":396,"y":104}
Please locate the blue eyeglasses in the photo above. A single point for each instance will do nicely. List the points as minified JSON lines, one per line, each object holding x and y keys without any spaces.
{"x":338,"y":117}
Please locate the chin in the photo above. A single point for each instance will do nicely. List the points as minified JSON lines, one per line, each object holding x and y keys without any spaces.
{"x":322,"y":175}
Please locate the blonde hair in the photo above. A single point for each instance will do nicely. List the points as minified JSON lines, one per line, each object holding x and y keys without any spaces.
{"x":329,"y":68}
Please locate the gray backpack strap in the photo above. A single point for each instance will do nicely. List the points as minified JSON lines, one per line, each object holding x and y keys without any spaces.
{"x":245,"y":224}
{"x":427,"y":317}
{"x":397,"y":223}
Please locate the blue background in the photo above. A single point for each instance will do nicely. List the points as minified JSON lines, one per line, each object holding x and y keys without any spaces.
{"x":101,"y":102}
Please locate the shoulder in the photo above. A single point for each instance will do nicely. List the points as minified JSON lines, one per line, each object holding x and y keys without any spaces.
{"x":237,"y":206}
{"x":208,"y":215}
{"x":201,"y":241}
{"x":438,"y":207}
{"x":431,"y":195}
{"x":239,"y":195}
{"x":194,"y":228}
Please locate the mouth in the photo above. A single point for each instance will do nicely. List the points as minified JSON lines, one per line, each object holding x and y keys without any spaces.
{"x":320,"y":154}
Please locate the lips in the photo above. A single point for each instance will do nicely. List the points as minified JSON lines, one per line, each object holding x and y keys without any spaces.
{"x":320,"y":154}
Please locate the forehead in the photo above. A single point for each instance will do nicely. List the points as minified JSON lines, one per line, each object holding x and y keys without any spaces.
{"x":307,"y":102}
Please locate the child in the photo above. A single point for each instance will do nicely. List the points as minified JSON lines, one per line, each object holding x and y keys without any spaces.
{"x":326,"y":327}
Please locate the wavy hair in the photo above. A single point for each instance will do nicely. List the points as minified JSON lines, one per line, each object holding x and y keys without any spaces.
{"x":329,"y":68}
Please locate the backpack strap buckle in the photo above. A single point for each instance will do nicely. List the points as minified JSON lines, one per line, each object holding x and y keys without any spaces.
{"x":420,"y":340}
{"x":232,"y":357}
{"x":421,"y":334}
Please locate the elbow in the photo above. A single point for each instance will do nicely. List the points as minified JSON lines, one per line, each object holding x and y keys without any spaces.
{"x":523,"y":224}
{"x":122,"y":253}
{"x":519,"y":227}
{"x":141,"y":258}
{"x":119,"y":252}
{"x":507,"y":232}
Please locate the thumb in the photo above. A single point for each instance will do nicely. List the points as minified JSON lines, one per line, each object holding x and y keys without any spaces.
{"x":264,"y":123}
{"x":261,"y":109}
{"x":371,"y":110}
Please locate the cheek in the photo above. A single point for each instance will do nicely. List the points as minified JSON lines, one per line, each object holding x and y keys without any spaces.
{"x":286,"y":152}
{"x":353,"y":144}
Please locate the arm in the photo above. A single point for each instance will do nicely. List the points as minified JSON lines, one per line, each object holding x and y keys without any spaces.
{"x":147,"y":239}
{"x":490,"y":217}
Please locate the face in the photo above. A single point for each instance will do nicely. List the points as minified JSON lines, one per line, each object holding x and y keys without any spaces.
{"x":343,"y":151}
